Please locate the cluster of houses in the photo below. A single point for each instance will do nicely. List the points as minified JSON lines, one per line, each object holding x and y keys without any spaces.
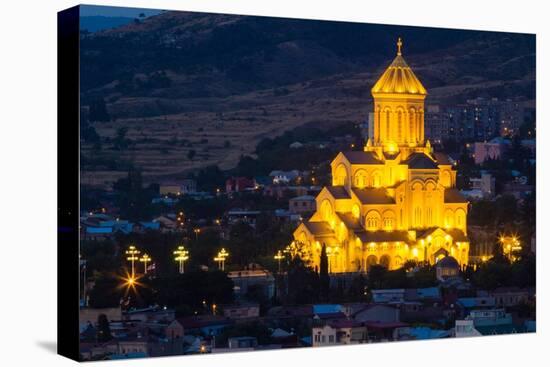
{"x":450,"y":309}
{"x":415,"y":314}
{"x":393,"y":315}
{"x":100,"y":226}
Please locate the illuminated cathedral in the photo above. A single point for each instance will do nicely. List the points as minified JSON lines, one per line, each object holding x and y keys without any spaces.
{"x":394,"y":201}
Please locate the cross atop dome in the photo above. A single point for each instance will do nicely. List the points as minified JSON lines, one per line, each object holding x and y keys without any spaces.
{"x":399,"y":44}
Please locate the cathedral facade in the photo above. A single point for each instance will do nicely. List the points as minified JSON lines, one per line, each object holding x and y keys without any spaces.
{"x":394,"y":201}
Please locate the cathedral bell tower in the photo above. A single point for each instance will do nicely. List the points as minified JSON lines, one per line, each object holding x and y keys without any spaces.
{"x":398,"y":108}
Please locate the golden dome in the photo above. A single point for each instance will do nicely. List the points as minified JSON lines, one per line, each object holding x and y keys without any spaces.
{"x":398,"y":78}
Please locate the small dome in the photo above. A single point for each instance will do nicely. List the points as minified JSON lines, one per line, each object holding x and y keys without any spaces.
{"x":398,"y":78}
{"x":448,"y":262}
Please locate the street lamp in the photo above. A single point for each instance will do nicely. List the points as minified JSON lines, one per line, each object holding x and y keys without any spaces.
{"x":197,"y":231}
{"x":145,"y":259}
{"x":220,"y":258}
{"x":132,"y":253}
{"x":279,"y":257}
{"x":182,"y":255}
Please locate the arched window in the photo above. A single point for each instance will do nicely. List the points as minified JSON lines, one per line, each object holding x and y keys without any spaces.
{"x":326,"y":210}
{"x":389,"y":220}
{"x":388,"y":125}
{"x":460,"y":218}
{"x":376,"y":179}
{"x":412,"y":123}
{"x":399,"y":126}
{"x":372,"y":220}
{"x":341,"y":176}
{"x":360,"y":179}
{"x":385,"y":261}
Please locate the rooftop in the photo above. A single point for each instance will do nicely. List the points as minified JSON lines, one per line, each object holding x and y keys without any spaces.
{"x":420,"y":161}
{"x":361,"y":157}
{"x":399,"y":78}
{"x":454,"y":196}
{"x":373,"y":196}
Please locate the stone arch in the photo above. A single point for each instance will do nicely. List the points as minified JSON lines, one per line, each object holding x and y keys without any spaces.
{"x":412,"y":125}
{"x":371,"y":260}
{"x":388,"y":220}
{"x":326,"y":210}
{"x":397,"y":261}
{"x":430,"y":184}
{"x":376,"y":178}
{"x":373,"y":220}
{"x":360,"y":178}
{"x":460,"y":218}
{"x":377,"y":123}
{"x":341,"y":175}
{"x":387,"y":125}
{"x":385,"y":261}
{"x":417,"y":185}
{"x":400,"y":124}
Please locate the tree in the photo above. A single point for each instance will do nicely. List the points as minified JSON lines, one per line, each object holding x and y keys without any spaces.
{"x":103,"y":329}
{"x":376,"y":276}
{"x":106,"y":291}
{"x":303,"y":283}
{"x":193,"y":288}
{"x":324,"y":278}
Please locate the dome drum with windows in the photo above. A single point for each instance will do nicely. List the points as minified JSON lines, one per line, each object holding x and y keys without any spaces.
{"x":394,"y":201}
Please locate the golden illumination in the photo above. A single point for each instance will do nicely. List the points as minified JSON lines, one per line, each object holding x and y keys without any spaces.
{"x":395,"y":191}
{"x":220,"y":258}
{"x":181,"y":255}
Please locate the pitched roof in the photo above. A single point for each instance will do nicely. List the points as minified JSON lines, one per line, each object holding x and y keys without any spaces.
{"x":454,"y":196}
{"x":361,"y":157}
{"x":319,"y":228}
{"x":349,"y":220}
{"x":373,"y":196}
{"x":382,"y":236}
{"x":457,"y":235}
{"x":338,"y":192}
{"x":399,"y":78}
{"x":420,"y":161}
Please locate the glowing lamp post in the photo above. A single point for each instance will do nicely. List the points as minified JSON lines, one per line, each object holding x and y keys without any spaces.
{"x":145,"y":259}
{"x":181,"y":256}
{"x":132,"y":253}
{"x":220,"y":258}
{"x":279,"y":257}
{"x":197,"y":231}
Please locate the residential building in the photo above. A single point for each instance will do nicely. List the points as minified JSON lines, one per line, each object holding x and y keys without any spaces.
{"x":302,"y":204}
{"x":239,"y":184}
{"x":252,"y":276}
{"x":339,"y":332}
{"x":492,"y":149}
{"x":241,"y":311}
